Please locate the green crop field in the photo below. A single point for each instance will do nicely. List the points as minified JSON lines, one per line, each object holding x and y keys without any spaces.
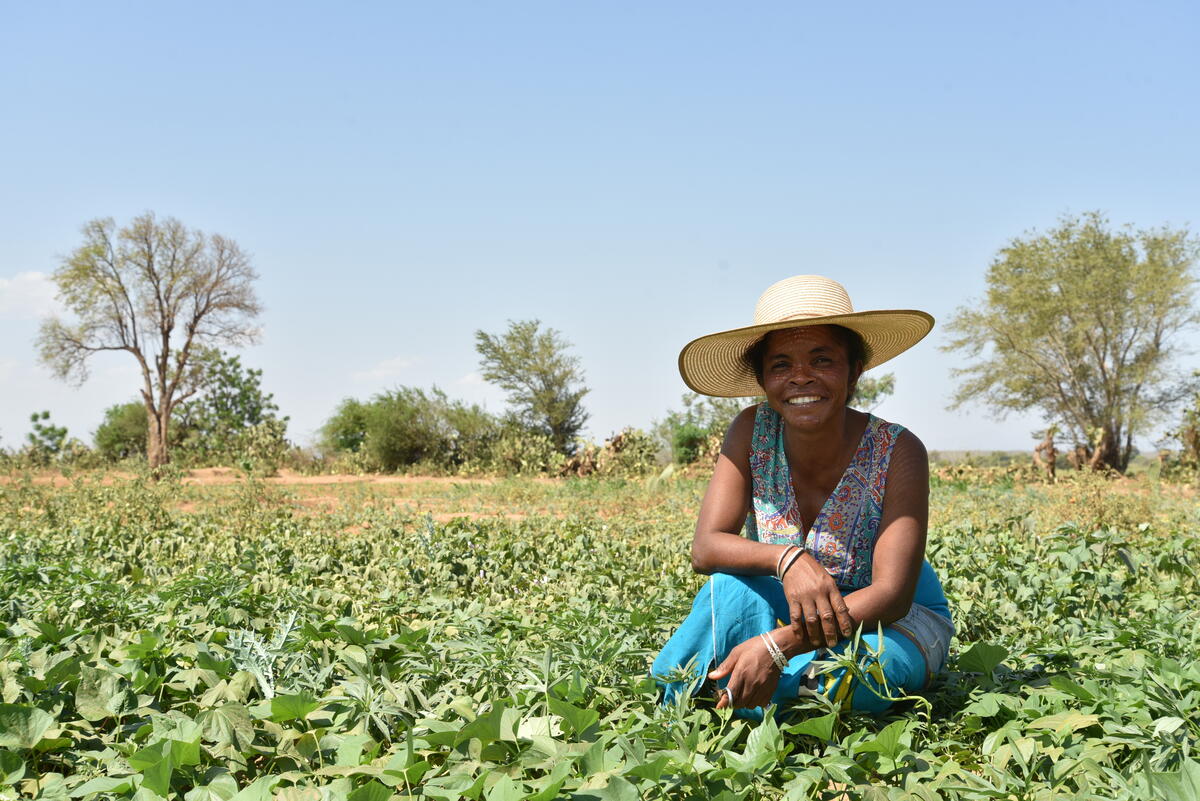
{"x":490,"y":640}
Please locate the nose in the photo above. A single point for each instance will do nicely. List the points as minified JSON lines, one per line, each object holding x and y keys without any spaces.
{"x":799,"y":374}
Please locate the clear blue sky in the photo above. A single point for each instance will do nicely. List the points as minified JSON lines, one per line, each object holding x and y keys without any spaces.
{"x":634,"y":174}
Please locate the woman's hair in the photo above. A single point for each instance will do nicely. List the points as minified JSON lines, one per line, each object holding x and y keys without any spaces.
{"x":852,"y":343}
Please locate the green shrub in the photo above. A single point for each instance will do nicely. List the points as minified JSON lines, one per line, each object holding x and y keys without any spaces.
{"x":687,"y":441}
{"x":517,"y":451}
{"x":346,"y":431}
{"x":122,"y":434}
{"x":262,"y":447}
{"x":630,"y":452}
{"x":407,"y":426}
{"x":215,"y":427}
{"x":686,"y":434}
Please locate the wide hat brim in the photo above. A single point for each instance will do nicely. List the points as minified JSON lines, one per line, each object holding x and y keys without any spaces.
{"x":715,"y":364}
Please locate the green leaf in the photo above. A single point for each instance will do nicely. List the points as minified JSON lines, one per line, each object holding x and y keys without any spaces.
{"x":350,"y":751}
{"x":103,"y":784}
{"x":293,"y":707}
{"x":219,"y":785}
{"x":819,"y":727}
{"x":1065,"y":721}
{"x":887,"y":742}
{"x":12,"y":768}
{"x":23,"y":726}
{"x":497,"y":724}
{"x":504,"y":790}
{"x":453,"y":786}
{"x":617,"y":789}
{"x":229,"y":724}
{"x":652,"y":770}
{"x":577,"y":720}
{"x":1168,"y":725}
{"x":1183,"y":785}
{"x":100,"y":695}
{"x":371,"y":791}
{"x":261,"y":789}
{"x":982,"y":658}
{"x":156,"y":765}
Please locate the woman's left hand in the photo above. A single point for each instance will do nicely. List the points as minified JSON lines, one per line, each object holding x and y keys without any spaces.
{"x":752,"y":676}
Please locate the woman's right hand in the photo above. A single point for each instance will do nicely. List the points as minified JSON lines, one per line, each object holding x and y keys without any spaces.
{"x":819,"y":612}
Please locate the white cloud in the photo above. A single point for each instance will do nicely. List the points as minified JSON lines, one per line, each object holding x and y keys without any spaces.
{"x":470,"y":380}
{"x":388,"y":368}
{"x":28,"y":296}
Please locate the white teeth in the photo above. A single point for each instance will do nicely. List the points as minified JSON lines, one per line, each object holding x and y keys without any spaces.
{"x":803,"y":401}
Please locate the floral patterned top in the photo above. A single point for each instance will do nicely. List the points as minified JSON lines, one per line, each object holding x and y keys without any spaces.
{"x":842,"y":538}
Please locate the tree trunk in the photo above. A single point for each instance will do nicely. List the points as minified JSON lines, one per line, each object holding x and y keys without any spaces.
{"x":1107,"y":452}
{"x":156,"y":440}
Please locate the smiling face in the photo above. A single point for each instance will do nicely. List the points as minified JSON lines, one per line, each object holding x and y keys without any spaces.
{"x":807,"y":375}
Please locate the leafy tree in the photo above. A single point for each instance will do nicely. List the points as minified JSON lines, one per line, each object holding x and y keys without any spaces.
{"x":229,"y":402}
{"x":46,"y":440}
{"x":122,"y":433}
{"x":346,"y":430}
{"x":1079,"y":323}
{"x":158,"y":291}
{"x":871,"y":391}
{"x":544,"y":383}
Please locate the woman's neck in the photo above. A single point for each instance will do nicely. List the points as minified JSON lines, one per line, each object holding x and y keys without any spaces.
{"x":828,"y":449}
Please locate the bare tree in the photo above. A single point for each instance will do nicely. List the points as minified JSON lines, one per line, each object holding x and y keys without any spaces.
{"x":158,"y":291}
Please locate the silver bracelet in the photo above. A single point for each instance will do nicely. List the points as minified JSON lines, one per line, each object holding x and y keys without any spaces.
{"x":773,"y":649}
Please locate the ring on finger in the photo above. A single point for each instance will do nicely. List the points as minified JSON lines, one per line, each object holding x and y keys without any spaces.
{"x":729,"y":694}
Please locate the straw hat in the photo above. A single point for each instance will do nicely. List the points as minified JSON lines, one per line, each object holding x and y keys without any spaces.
{"x":714,"y":364}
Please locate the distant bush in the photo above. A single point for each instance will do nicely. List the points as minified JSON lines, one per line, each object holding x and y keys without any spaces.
{"x":686,"y":436}
{"x":518,"y":451}
{"x":629,"y":453}
{"x":48,"y":446}
{"x":407,"y":426}
{"x":687,"y":442}
{"x":122,"y":433}
{"x":231,"y":419}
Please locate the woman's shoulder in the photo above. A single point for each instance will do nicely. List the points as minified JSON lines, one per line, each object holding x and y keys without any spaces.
{"x":902,"y":442}
{"x":741,"y":431}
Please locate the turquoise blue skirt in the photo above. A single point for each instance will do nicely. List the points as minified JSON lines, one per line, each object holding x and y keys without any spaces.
{"x":731,"y":609}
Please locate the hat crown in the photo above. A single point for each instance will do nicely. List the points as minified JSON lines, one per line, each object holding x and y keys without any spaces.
{"x":802,"y":297}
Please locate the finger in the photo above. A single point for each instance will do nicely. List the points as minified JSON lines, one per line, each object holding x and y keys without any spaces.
{"x":829,"y":632}
{"x":812,"y":624}
{"x":845,"y":623}
{"x":796,"y":613}
{"x":722,"y":670}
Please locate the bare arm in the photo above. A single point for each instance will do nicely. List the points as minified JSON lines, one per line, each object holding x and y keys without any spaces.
{"x":718,"y":543}
{"x":900,"y":546}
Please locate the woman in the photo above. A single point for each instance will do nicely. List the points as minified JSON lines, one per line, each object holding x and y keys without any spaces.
{"x":834,"y":503}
